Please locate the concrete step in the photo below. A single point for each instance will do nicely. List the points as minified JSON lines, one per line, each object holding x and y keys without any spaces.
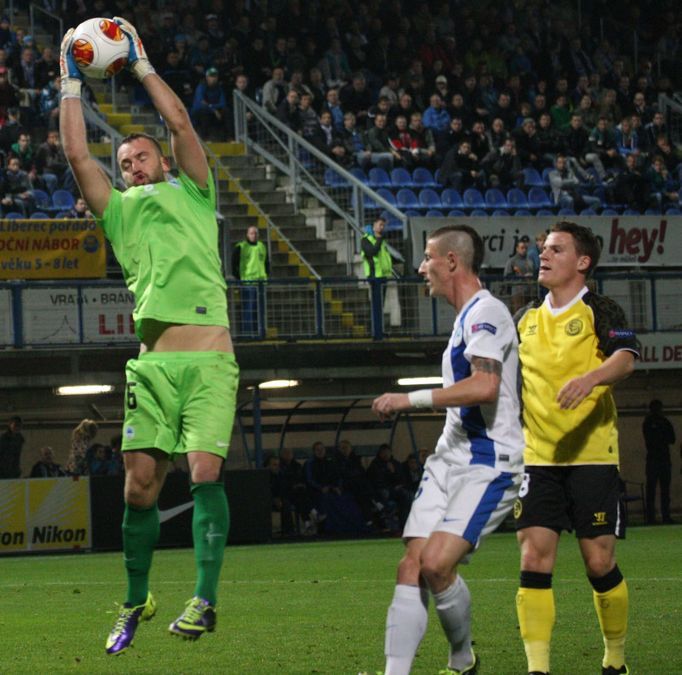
{"x":264,"y":185}
{"x":319,"y":258}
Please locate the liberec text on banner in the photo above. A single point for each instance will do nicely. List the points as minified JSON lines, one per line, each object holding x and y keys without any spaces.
{"x":51,"y":249}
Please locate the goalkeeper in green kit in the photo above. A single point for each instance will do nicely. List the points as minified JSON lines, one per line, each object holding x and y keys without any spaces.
{"x":181,"y":390}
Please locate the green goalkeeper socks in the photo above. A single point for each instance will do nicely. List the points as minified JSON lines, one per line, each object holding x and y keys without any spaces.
{"x":210,"y":525}
{"x":140,"y":534}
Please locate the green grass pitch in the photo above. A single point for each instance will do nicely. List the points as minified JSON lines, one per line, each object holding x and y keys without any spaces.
{"x":320,"y":607}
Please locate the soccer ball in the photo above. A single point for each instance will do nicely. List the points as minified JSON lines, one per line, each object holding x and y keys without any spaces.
{"x":99,"y":48}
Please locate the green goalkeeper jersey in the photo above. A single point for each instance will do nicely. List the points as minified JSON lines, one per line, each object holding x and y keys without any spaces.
{"x":165,"y":237}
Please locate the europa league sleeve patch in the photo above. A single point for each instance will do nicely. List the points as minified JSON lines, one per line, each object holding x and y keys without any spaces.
{"x":484,"y":326}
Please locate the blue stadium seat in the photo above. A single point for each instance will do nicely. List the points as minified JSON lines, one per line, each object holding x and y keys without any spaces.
{"x":434,"y":213}
{"x":494,"y":199}
{"x":14,"y":215}
{"x":412,"y":212}
{"x":401,"y":178}
{"x":39,"y":215}
{"x":451,"y":199}
{"x":456,"y":213}
{"x":392,"y":223}
{"x":516,"y":198}
{"x":532,"y":178}
{"x":473,"y":199}
{"x":387,"y":195}
{"x":596,"y":180}
{"x":429,"y":199}
{"x":437,"y":177}
{"x":544,"y":212}
{"x":63,"y":214}
{"x":41,"y":197}
{"x":652,"y":212}
{"x":423,"y":177}
{"x":673,"y":211}
{"x":478,"y":212}
{"x":545,"y":175}
{"x":631,"y":212}
{"x":331,"y":178}
{"x":379,"y":178}
{"x":500,"y":212}
{"x":538,"y":199}
{"x":589,"y":211}
{"x":522,"y":212}
{"x":609,"y":212}
{"x":566,"y":212}
{"x":407,"y":199}
{"x":358,"y":173}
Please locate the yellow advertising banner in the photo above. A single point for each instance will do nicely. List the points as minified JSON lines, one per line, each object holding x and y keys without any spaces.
{"x":51,"y":249}
{"x":45,"y":514}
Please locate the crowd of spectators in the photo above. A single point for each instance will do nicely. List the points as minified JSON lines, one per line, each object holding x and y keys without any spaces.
{"x":478,"y":93}
{"x":335,"y":493}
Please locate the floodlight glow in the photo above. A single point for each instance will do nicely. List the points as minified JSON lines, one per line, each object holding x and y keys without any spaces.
{"x":84,"y":389}
{"x":278,"y":384}
{"x":418,"y":381}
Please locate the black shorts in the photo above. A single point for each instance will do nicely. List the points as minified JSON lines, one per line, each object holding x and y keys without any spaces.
{"x":584,"y":498}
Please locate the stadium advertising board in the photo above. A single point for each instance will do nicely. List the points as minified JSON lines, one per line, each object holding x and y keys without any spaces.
{"x":45,"y":514}
{"x":6,"y":328}
{"x":660,"y":350}
{"x":627,"y":241}
{"x":101,"y":314}
{"x":51,"y":249}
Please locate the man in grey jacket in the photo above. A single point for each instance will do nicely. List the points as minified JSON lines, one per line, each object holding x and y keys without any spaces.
{"x":566,"y":188}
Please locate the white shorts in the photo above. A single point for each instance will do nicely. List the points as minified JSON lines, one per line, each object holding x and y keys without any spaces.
{"x":469,"y":501}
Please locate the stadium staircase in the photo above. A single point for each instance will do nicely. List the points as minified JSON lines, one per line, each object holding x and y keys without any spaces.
{"x":250,"y":194}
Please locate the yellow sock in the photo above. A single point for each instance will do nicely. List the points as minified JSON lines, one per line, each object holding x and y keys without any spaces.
{"x":612,"y":612}
{"x":536,"y":613}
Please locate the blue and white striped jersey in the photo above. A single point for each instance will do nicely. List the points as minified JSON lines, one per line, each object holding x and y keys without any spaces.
{"x":488,"y":434}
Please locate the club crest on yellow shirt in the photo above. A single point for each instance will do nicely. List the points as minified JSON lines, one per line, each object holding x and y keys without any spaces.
{"x":574,"y":327}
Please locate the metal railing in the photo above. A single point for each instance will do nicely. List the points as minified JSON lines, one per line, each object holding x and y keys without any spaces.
{"x":97,"y":313}
{"x":311,"y":172}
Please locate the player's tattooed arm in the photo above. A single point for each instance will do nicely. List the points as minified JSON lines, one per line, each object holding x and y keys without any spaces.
{"x":484,"y":365}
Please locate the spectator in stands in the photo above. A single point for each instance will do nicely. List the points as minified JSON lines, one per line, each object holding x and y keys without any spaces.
{"x":178,"y":77}
{"x":436,"y":117}
{"x":275,"y":91}
{"x":519,"y":268}
{"x":461,"y":168}
{"x":641,"y":107}
{"x":578,"y":150}
{"x":46,"y":467}
{"x":412,"y":474}
{"x":452,"y":138}
{"x":401,"y":140}
{"x":503,"y":109}
{"x":79,"y":210}
{"x":335,"y":68}
{"x":528,"y":144}
{"x":458,"y":108}
{"x":385,"y":476}
{"x":11,"y":444}
{"x":630,"y":187}
{"x":200,"y":58}
{"x":624,"y":95}
{"x":16,"y":189}
{"x":378,"y":142}
{"x":296,"y":82}
{"x":609,"y":108}
{"x":8,"y":94}
{"x":47,"y":66}
{"x":23,"y":76}
{"x":99,"y":463}
{"x":560,"y":112}
{"x":354,"y":143}
{"x":663,"y":188}
{"x":209,"y":108}
{"x":390,"y":88}
{"x":566,"y":188}
{"x":23,"y":151}
{"x":654,"y":129}
{"x":588,"y":112}
{"x":323,"y":479}
{"x":627,"y":140}
{"x":503,"y":166}
{"x":288,"y":111}
{"x":324,"y":138}
{"x":308,"y":118}
{"x":497,"y":134}
{"x":549,"y":140}
{"x":280,"y":503}
{"x":51,"y":164}
{"x":333,"y":105}
{"x":48,"y":103}
{"x":603,"y":143}
{"x":480,"y":143}
{"x":383,"y":107}
{"x":81,"y":440}
{"x":116,"y":455}
{"x":356,"y":98}
{"x":671,"y":155}
{"x":535,"y":251}
{"x":423,"y":143}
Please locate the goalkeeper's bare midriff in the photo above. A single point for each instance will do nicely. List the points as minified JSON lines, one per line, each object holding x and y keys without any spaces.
{"x":172,"y":337}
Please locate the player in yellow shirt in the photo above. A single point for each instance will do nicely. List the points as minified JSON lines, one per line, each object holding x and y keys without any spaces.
{"x":573,"y":347}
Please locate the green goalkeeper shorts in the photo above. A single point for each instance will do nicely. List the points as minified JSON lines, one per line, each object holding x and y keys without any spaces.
{"x":180,"y":402}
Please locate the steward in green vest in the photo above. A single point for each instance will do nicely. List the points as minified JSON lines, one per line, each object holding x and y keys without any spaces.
{"x":250,"y":258}
{"x":375,"y":256}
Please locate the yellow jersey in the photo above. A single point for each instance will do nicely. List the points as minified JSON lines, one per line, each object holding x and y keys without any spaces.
{"x":555,"y":346}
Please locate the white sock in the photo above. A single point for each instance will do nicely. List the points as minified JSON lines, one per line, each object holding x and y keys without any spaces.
{"x":406,"y":622}
{"x":454,"y":611}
